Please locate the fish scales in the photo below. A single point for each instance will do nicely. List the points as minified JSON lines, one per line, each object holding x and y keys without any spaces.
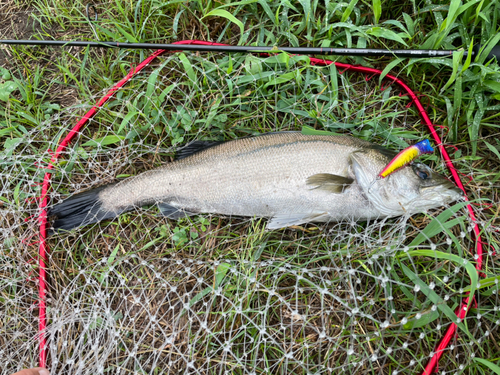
{"x":261,"y":176}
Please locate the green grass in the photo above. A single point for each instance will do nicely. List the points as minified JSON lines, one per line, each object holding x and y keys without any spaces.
{"x":242,"y":277}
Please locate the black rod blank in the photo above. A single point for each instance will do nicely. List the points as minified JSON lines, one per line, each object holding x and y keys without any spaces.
{"x":364,"y":52}
{"x":251,"y":49}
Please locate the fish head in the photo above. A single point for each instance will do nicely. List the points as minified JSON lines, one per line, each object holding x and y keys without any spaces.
{"x":412,"y":189}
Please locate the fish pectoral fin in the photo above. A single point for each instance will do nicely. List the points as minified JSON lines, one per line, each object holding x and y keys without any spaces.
{"x":172,"y":212}
{"x":329,"y":182}
{"x":286,"y":220}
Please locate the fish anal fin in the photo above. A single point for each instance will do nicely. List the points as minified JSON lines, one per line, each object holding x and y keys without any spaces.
{"x":195,"y":147}
{"x":287,"y":220}
{"x":172,"y":212}
{"x":329,"y":182}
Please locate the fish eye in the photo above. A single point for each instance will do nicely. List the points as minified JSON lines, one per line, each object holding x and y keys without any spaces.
{"x":422,"y":171}
{"x":422,"y":175}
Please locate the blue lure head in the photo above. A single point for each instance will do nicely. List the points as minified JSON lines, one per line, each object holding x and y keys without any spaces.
{"x":424,"y":147}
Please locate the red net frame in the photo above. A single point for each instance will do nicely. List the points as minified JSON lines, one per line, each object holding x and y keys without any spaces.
{"x":461,"y":310}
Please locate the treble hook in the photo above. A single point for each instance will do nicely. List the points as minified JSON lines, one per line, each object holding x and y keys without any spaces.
{"x":91,"y":6}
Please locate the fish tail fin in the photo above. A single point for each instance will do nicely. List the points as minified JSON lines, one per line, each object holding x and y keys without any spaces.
{"x":80,"y":210}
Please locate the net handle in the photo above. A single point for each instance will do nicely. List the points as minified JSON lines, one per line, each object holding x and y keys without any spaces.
{"x":370,"y":72}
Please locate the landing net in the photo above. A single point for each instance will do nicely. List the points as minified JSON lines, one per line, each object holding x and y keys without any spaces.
{"x":210,"y":294}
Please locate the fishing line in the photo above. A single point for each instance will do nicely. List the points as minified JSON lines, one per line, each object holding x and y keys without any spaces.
{"x":91,"y":23}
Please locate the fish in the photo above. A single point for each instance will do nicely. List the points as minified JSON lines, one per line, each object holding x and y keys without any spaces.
{"x":289,"y":178}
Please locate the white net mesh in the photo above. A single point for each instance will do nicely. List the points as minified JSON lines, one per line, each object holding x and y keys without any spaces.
{"x":143,"y":294}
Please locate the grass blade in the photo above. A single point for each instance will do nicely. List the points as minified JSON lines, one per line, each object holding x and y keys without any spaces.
{"x":377,"y":10}
{"x":435,"y":299}
{"x":438,"y":224}
{"x":469,"y":267}
{"x":490,"y":365}
{"x":225,"y":14}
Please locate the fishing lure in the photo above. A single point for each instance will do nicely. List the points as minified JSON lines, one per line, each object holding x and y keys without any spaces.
{"x":406,"y":156}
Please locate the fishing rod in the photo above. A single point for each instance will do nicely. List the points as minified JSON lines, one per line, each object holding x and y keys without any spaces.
{"x":216,"y":47}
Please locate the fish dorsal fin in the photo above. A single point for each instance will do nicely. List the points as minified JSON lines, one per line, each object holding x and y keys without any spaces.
{"x":195,"y":147}
{"x":384,"y":151}
{"x":329,"y":182}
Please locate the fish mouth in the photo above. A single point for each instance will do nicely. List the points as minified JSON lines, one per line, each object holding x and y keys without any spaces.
{"x":434,"y":196}
{"x":446,"y":191}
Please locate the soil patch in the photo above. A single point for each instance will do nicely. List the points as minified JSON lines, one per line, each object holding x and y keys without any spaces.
{"x":15,"y":24}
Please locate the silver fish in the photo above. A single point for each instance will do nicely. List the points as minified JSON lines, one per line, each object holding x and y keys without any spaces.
{"x":288,"y":177}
